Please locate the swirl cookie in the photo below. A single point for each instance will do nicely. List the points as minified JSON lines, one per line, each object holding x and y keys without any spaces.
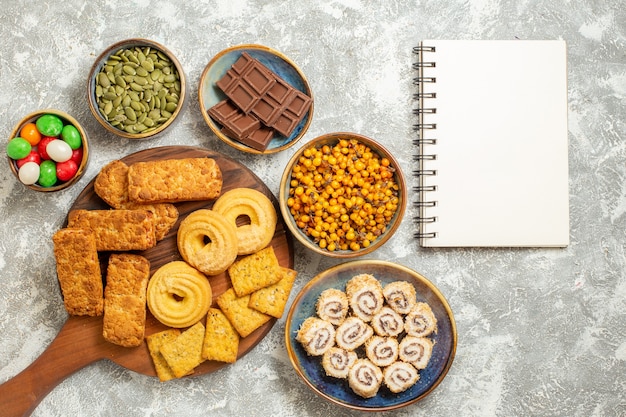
{"x":178,"y":295}
{"x":421,"y":321}
{"x":332,"y":306}
{"x":207,"y":241}
{"x":316,"y":336}
{"x":258,"y":213}
{"x":337,"y":361}
{"x":365,"y":378}
{"x":400,"y":376}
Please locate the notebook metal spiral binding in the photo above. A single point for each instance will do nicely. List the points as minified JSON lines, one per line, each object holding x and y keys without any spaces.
{"x":420,"y":128}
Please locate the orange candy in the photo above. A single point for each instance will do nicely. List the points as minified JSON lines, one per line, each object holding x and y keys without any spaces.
{"x":30,"y":133}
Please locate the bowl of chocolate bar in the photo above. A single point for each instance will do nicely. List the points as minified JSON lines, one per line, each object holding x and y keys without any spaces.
{"x":255,"y":99}
{"x":136,"y":88}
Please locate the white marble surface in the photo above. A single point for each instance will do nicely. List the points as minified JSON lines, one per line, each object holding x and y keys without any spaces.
{"x":541,"y":331}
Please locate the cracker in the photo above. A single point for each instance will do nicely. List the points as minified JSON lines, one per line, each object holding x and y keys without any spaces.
{"x":184,"y":354}
{"x":221,"y":340}
{"x":243,"y":318}
{"x":111,"y":184}
{"x":117,"y":230}
{"x":273,"y":299}
{"x":155,"y":341}
{"x":174,"y":180}
{"x":78,"y":271}
{"x":124,"y":320}
{"x":253,"y":272}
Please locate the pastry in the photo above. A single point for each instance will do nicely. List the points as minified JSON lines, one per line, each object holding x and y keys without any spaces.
{"x":78,"y":271}
{"x":111,"y":184}
{"x":154,"y":342}
{"x":124,"y":320}
{"x":400,"y":296}
{"x":365,"y":295}
{"x":337,"y":362}
{"x":352,"y":333}
{"x":332,"y":306}
{"x":184,"y":353}
{"x":254,"y":211}
{"x":420,"y":321}
{"x":316,"y":336}
{"x":400,"y":376}
{"x":382,"y":351}
{"x":178,"y":295}
{"x":164,"y":216}
{"x":117,"y":230}
{"x":174,"y":180}
{"x":365,"y":378}
{"x":416,"y":351}
{"x":207,"y":241}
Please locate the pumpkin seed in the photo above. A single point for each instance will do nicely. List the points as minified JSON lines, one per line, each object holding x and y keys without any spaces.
{"x":137,"y":89}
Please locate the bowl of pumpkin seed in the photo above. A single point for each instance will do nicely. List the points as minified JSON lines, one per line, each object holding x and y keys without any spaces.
{"x":136,"y":88}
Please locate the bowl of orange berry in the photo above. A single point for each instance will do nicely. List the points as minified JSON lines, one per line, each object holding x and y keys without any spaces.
{"x":342,"y":195}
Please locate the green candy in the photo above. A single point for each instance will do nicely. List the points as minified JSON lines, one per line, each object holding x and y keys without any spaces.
{"x":18,"y":148}
{"x":49,"y":125}
{"x":71,"y":135}
{"x":47,"y":173}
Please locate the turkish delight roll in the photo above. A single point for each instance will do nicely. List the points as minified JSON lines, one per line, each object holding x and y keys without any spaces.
{"x":420,"y":321}
{"x":400,"y":296}
{"x":400,"y":376}
{"x":382,"y":351}
{"x":337,"y":361}
{"x":332,"y":306}
{"x":352,"y":333}
{"x":316,"y":336}
{"x":416,"y":350}
{"x":365,"y":378}
{"x":365,"y":295}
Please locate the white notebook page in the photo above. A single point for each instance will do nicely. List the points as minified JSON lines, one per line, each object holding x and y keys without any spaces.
{"x":502,"y":147}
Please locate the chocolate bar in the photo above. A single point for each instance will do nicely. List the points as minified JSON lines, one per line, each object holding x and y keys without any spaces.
{"x":259,"y":103}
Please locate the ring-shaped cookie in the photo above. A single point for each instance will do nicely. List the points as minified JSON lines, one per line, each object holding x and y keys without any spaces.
{"x":258,"y":208}
{"x":178,"y":295}
{"x":207,"y":241}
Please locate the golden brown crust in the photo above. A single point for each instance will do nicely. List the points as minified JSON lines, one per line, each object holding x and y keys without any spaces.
{"x":273,"y":299}
{"x":111,"y":184}
{"x":124,"y":320}
{"x":174,"y":180}
{"x":117,"y":230}
{"x":164,"y":216}
{"x":154,"y":342}
{"x":78,"y":270}
{"x":243,"y":318}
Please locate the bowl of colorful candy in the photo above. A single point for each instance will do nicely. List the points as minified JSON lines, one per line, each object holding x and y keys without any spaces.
{"x":136,"y":88}
{"x":342,"y":195}
{"x":255,"y":99}
{"x":48,"y":150}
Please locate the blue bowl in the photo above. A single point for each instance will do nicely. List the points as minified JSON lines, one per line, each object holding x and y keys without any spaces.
{"x":337,"y":391}
{"x":209,"y":94}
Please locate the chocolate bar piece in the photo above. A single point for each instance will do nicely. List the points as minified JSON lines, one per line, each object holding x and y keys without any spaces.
{"x":260,"y":94}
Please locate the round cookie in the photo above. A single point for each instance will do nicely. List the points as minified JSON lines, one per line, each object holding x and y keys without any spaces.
{"x":178,"y":295}
{"x":207,"y":241}
{"x":247,"y":202}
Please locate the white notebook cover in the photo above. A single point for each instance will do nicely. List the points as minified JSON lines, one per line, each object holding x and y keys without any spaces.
{"x":502,"y":148}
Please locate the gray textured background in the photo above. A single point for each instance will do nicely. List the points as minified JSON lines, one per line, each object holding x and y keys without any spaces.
{"x":541,"y":331}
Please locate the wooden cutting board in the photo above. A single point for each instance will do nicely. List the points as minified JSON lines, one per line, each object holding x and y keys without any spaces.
{"x":80,"y":340}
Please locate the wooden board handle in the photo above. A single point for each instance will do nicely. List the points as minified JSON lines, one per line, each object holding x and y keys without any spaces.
{"x":20,"y":395}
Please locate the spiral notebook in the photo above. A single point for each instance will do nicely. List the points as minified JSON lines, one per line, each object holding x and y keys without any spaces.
{"x":491,"y":143}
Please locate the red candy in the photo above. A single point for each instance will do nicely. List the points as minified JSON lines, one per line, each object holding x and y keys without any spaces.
{"x":66,"y":170}
{"x":77,"y":155}
{"x":33,"y":156}
{"x":41,"y":146}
